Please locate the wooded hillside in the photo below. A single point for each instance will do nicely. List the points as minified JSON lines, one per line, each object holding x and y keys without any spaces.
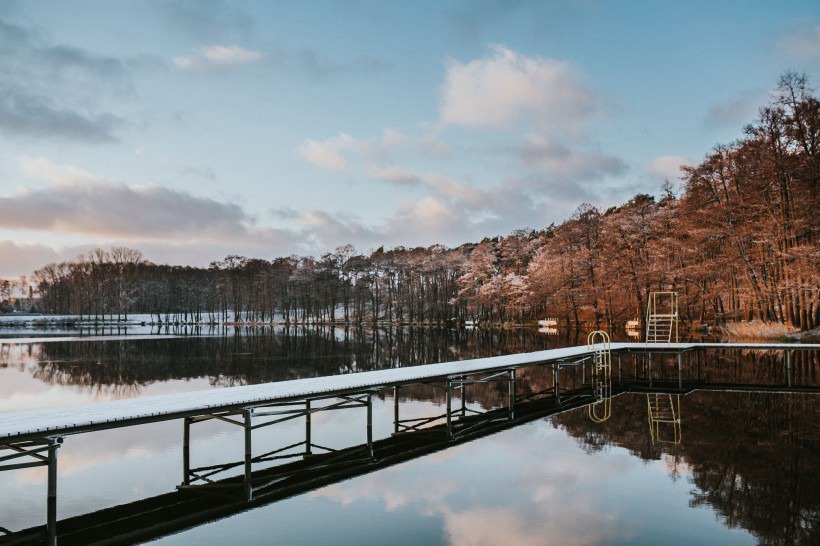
{"x":740,"y":242}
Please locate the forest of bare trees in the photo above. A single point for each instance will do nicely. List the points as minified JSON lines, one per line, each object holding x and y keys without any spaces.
{"x":738,"y":242}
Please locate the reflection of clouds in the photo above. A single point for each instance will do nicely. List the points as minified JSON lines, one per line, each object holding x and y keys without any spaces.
{"x":509,"y":526}
{"x":534,"y":486}
{"x":79,"y":453}
{"x":396,"y":489}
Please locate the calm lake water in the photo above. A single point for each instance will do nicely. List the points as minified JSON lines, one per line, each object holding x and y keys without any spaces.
{"x":743,"y":467}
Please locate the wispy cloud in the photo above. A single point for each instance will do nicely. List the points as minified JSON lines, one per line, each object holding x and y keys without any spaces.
{"x":205,"y":19}
{"x":328,"y":153}
{"x":564,"y":162}
{"x":803,"y":45}
{"x":343,"y":151}
{"x":217,"y":57}
{"x":734,"y":113}
{"x":26,"y":114}
{"x":52,"y":91}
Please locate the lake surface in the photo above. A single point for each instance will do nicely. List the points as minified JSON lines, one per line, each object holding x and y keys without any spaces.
{"x":743,"y":467}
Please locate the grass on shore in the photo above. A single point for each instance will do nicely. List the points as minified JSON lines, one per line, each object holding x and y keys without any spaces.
{"x":758,"y":330}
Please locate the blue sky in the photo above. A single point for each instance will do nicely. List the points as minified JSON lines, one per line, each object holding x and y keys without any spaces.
{"x":196,"y":129}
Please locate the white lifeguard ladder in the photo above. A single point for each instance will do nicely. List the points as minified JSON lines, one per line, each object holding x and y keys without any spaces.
{"x":662,"y":317}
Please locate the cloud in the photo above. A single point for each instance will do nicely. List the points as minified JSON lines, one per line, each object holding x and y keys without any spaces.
{"x":733,"y":113}
{"x":52,"y":91}
{"x":336,"y":153}
{"x":395,"y":175}
{"x":24,"y":258}
{"x":564,"y":162}
{"x":328,"y":153}
{"x":25,"y":114}
{"x":32,"y":55}
{"x":507,"y":87}
{"x":803,"y":45}
{"x":667,"y":167}
{"x":317,"y":66}
{"x":217,"y":57}
{"x":78,"y":202}
{"x":323,"y":230}
{"x":548,"y":173}
{"x":199,"y":171}
{"x":204,"y":19}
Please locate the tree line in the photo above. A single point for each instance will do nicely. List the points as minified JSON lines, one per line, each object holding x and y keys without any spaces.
{"x":738,"y":243}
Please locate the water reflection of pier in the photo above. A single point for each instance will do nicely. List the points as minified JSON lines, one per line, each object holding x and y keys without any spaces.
{"x":671,"y":369}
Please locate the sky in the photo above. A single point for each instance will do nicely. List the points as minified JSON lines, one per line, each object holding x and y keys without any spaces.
{"x":194,"y":130}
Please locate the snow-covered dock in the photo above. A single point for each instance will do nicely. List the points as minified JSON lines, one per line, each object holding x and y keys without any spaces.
{"x":32,"y":424}
{"x":17,"y":426}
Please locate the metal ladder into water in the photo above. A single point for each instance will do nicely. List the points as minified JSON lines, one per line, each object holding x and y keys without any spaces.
{"x":601,"y":409}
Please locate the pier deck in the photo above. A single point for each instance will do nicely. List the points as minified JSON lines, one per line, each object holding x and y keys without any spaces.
{"x":33,"y":424}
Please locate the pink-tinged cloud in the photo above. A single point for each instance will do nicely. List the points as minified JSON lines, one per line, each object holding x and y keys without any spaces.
{"x":668,"y":167}
{"x":216,"y":57}
{"x":506,"y":87}
{"x":81,"y":203}
{"x":24,"y":258}
{"x":343,"y":151}
{"x":542,"y":503}
{"x":395,"y":175}
{"x":327,"y":153}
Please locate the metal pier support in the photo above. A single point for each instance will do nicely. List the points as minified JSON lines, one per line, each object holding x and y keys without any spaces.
{"x":396,"y":409}
{"x":460,"y":382}
{"x":43,"y":451}
{"x":680,"y":371}
{"x":308,"y":441}
{"x":267,"y":415}
{"x":788,"y":368}
{"x":370,"y":425}
{"x":186,"y":452}
{"x":248,"y":414}
{"x":51,"y":499}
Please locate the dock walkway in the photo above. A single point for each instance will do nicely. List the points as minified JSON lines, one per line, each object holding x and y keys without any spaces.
{"x":41,"y":423}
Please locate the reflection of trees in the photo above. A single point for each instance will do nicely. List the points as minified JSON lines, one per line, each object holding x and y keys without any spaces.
{"x":258,"y":356}
{"x":754,"y":456}
{"x":726,"y":367}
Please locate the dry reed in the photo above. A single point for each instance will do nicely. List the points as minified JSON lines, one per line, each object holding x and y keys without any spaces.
{"x":757,"y":330}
